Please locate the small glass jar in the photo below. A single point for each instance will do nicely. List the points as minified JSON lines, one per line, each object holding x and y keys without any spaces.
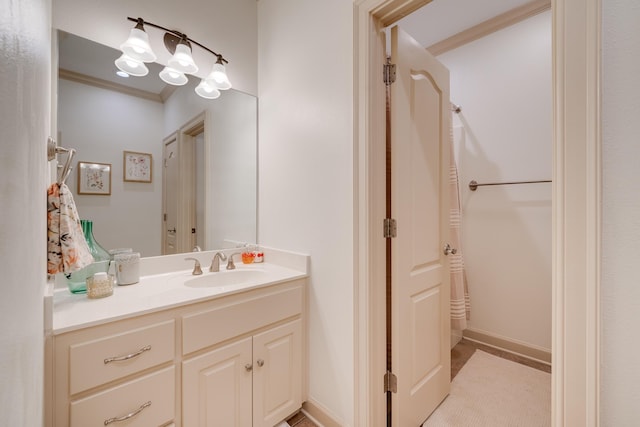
{"x":247,"y":257}
{"x":99,"y":285}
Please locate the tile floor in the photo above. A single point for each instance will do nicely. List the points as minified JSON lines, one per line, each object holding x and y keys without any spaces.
{"x":460,"y":354}
{"x":299,"y":420}
{"x":463,"y":351}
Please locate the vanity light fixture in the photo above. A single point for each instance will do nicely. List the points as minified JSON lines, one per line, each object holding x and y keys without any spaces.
{"x":136,"y":50}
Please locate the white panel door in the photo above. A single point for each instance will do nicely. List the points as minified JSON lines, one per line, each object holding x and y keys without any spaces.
{"x":277,"y":374}
{"x":420,"y":334}
{"x":216,"y":387}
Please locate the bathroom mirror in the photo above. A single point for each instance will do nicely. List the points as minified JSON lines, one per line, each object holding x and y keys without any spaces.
{"x":105,"y":118}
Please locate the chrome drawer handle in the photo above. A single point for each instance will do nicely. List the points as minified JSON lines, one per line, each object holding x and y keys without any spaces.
{"x":128,"y":356}
{"x":126,"y":417}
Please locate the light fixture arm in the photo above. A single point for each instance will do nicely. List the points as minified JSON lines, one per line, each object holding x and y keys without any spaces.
{"x":180,"y":35}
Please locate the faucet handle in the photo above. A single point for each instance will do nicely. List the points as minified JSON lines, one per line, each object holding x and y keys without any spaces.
{"x":230,"y":264}
{"x":197,"y":270}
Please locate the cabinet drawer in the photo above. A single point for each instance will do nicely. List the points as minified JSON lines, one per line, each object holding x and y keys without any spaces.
{"x":96,"y":362}
{"x":206,"y":328}
{"x":157,"y":388}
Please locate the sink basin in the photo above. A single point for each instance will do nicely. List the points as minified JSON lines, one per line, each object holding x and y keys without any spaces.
{"x":225,"y":278}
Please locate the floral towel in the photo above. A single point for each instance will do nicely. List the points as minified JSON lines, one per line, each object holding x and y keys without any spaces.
{"x":67,"y":250}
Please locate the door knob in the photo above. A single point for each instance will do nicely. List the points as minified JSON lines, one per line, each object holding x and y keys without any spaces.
{"x":448,"y":250}
{"x":260,"y":363}
{"x":248,"y":367}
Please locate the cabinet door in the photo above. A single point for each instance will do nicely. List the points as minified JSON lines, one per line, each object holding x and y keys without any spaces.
{"x":216,"y":387}
{"x":277,"y":374}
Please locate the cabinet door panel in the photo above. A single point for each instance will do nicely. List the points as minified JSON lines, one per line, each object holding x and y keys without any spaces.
{"x":216,"y":387}
{"x":277,"y":376}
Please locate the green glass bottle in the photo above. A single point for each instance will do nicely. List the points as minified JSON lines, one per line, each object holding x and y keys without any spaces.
{"x":77,"y":281}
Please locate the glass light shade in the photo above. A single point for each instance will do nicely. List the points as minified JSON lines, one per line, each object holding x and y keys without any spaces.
{"x":206,"y":90}
{"x":137,"y":46}
{"x":173,"y":77}
{"x":219,"y":76}
{"x":131,"y":66}
{"x":182,"y":60}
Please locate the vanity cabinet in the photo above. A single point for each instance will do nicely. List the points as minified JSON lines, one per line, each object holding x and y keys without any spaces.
{"x":255,"y":381}
{"x":117,"y":370}
{"x":232,"y":360}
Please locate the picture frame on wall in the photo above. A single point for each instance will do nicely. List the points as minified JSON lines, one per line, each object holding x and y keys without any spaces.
{"x":137,"y":167}
{"x":94,"y":178}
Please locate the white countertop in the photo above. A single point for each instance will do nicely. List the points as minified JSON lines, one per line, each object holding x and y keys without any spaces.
{"x":165,"y":290}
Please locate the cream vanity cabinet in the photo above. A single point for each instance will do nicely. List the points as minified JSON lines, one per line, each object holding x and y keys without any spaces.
{"x":235,"y":360}
{"x":254,"y":381}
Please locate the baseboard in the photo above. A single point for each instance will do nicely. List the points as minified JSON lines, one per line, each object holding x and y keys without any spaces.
{"x":456,"y":336}
{"x":320,"y":416}
{"x":525,"y":350}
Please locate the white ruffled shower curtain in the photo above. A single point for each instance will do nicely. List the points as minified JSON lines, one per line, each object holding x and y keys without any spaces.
{"x":460,"y":303}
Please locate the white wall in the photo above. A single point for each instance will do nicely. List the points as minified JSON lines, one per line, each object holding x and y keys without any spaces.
{"x":25,"y":61}
{"x":503,"y":84}
{"x":231,"y":162}
{"x":306,"y":173}
{"x":227,"y":27}
{"x":620,"y":292}
{"x":100,"y":124}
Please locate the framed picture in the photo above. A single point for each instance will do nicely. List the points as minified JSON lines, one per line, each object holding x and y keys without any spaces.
{"x":137,"y":167}
{"x":94,"y":178}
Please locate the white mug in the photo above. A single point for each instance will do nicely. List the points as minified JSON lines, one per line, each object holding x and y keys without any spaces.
{"x":127,"y":268}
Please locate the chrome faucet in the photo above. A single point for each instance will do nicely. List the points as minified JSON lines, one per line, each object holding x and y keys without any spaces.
{"x":230,"y":264}
{"x":215,"y":262}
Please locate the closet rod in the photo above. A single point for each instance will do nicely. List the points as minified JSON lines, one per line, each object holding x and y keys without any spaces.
{"x":473,"y":185}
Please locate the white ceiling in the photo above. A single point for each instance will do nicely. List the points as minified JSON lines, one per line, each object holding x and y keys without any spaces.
{"x":441,"y":19}
{"x":93,"y":59}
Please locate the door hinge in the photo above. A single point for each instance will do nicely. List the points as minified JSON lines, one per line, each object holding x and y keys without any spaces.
{"x":390,"y":228}
{"x":390,"y":382}
{"x":389,"y":73}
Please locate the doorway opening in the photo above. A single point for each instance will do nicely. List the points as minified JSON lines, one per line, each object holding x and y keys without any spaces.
{"x":576,"y":149}
{"x":183,"y":188}
{"x":507,"y":229}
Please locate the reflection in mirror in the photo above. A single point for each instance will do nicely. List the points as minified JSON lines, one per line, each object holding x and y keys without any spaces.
{"x":102,"y":115}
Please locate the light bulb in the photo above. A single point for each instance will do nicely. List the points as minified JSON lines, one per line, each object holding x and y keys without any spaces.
{"x":131,"y":66}
{"x":182,"y":60}
{"x":206,"y":90}
{"x":218,"y":77}
{"x":137,"y":46}
{"x":173,"y":76}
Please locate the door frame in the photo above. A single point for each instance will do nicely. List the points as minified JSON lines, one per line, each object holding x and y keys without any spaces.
{"x":163,"y":219}
{"x":576,"y":215}
{"x":186,"y":212}
{"x":187,"y":200}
